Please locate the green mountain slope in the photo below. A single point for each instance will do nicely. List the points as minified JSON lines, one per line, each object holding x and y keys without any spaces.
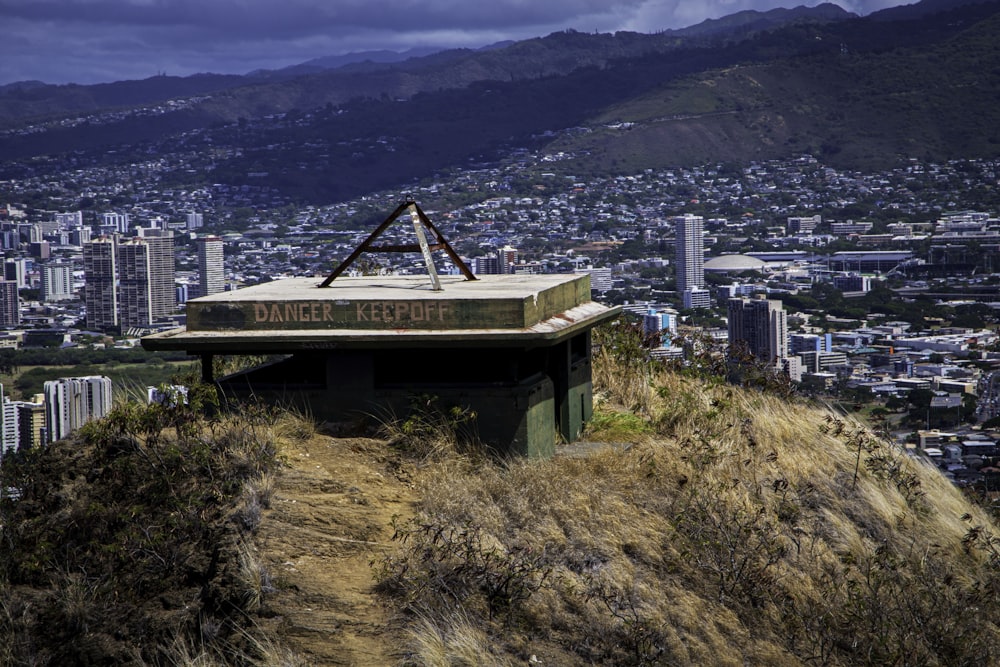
{"x":857,"y":110}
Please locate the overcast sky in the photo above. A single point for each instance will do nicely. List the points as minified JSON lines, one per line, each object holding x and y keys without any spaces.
{"x":92,"y":41}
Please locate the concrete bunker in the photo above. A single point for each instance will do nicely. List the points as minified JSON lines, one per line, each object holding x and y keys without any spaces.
{"x":514,"y":349}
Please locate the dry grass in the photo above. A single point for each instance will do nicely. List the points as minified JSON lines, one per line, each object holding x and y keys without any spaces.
{"x":726,"y":527}
{"x":452,"y":641}
{"x":736,"y":527}
{"x":257,"y":650}
{"x":254,"y":577}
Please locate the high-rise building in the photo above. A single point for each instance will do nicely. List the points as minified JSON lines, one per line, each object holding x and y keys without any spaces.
{"x":184,"y":293}
{"x":22,"y":425}
{"x":696,"y":297}
{"x":16,"y":270}
{"x":29,"y":232}
{"x":8,"y":438}
{"x":211,"y":265}
{"x":69,"y":220}
{"x":487,"y":265}
{"x":507,"y":258}
{"x":690,"y":251}
{"x":502,"y":261}
{"x":57,"y":282}
{"x":803,"y":224}
{"x":195,"y":220}
{"x":100,"y":292}
{"x":852,"y":282}
{"x":10,"y":307}
{"x":40,"y":249}
{"x":762,"y":326}
{"x":134,"y":285}
{"x":72,"y":402}
{"x":660,"y":322}
{"x":146,"y":278}
{"x":9,"y":239}
{"x":163,"y":296}
{"x":600,"y":278}
{"x":11,"y":435}
{"x":31,"y":422}
{"x":80,"y":236}
{"x":114,"y":222}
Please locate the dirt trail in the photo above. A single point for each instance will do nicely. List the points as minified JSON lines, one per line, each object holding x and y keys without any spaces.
{"x":330,"y":515}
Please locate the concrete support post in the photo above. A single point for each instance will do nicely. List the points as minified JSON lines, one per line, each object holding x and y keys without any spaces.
{"x":559,"y":367}
{"x":207,"y":374}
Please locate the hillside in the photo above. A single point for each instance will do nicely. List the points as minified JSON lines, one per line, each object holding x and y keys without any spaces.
{"x":340,"y":79}
{"x":855,"y":110}
{"x":860,"y":93}
{"x":703,"y":524}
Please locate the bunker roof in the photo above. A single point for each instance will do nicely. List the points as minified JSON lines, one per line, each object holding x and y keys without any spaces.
{"x":296,"y":314}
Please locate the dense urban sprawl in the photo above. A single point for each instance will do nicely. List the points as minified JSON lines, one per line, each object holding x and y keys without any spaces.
{"x":877,"y":287}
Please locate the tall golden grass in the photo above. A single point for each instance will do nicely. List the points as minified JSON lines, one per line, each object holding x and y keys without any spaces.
{"x":727,"y":527}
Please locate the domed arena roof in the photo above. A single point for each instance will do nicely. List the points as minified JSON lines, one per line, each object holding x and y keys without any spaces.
{"x":734,"y":264}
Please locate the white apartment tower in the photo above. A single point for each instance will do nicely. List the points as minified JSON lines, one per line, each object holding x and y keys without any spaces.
{"x":57,"y":282}
{"x":211,"y":266}
{"x":762,"y":325}
{"x":11,"y":440}
{"x":118,"y":222}
{"x":690,"y":247}
{"x":100,"y":293}
{"x":72,"y":402}
{"x":8,"y":427}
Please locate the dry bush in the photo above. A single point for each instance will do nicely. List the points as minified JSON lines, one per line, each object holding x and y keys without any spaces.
{"x":294,"y":425}
{"x":126,"y":539}
{"x":739,"y":526}
{"x":254,"y":499}
{"x":431,"y":431}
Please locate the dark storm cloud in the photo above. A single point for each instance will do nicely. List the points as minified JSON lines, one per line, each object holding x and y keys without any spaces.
{"x":99,"y":40}
{"x":265,"y":17}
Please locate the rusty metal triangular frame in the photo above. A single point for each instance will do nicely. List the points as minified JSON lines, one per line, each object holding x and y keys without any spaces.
{"x":440,"y":244}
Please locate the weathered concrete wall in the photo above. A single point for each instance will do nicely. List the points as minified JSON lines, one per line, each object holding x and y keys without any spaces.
{"x":298,"y":305}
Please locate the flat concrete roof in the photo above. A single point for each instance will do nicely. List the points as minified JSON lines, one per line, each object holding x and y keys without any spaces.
{"x":296,"y":314}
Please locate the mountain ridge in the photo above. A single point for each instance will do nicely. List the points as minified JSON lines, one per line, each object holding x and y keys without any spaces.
{"x":732,"y":96}
{"x":171,"y":87}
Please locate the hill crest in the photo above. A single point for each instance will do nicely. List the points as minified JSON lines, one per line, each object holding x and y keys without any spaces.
{"x":715,"y":524}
